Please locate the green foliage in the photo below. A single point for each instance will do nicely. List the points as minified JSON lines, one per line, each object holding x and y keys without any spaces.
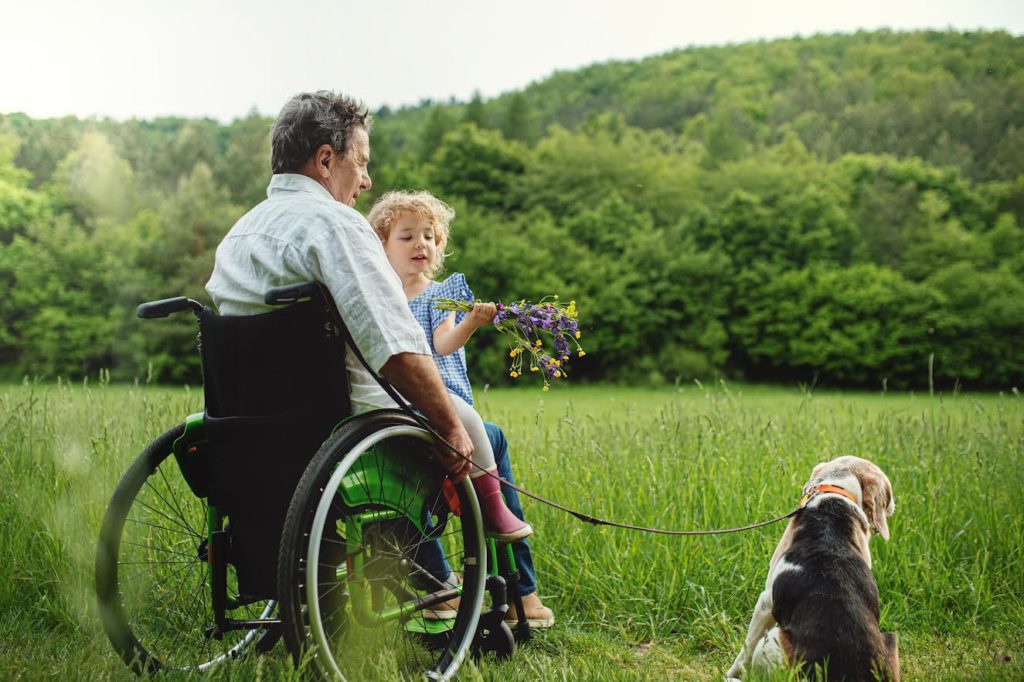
{"x":858,"y":325}
{"x":478,"y":165}
{"x":569,"y":171}
{"x":59,"y":299}
{"x":844,"y":207}
{"x":440,"y":122}
{"x":475,"y":112}
{"x":20,"y":208}
{"x":517,"y":121}
{"x":985,"y":323}
{"x":96,"y":182}
{"x":244,"y":168}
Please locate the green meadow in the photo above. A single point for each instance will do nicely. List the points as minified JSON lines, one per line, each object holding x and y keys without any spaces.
{"x":629,"y":605}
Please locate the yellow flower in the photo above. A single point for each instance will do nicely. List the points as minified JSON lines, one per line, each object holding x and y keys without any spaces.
{"x":556,"y":363}
{"x":582,"y":354}
{"x":534,"y":369}
{"x":577,"y":334}
{"x":558,"y":373}
{"x":547,"y":388}
{"x":537,"y":342}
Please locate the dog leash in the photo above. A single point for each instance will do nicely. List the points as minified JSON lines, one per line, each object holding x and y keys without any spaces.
{"x":335,"y":314}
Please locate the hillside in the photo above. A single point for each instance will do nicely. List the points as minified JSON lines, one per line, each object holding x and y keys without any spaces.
{"x":841,"y":209}
{"x":947,"y":98}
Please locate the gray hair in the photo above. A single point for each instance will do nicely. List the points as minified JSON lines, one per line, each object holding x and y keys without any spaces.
{"x":309,"y":120}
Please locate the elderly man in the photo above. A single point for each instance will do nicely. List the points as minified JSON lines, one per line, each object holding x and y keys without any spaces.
{"x":307,"y":229}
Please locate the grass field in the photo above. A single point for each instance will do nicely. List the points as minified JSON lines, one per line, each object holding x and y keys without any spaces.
{"x":629,"y":606}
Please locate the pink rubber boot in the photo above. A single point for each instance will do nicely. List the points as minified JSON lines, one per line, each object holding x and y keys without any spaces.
{"x":499,"y":522}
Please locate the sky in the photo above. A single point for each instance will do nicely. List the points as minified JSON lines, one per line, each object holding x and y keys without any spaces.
{"x":223,"y":58}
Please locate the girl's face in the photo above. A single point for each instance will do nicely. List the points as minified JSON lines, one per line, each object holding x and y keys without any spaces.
{"x":411,"y":247}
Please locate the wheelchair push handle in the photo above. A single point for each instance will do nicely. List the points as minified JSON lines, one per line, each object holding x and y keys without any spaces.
{"x":167,"y":306}
{"x":292,"y":293}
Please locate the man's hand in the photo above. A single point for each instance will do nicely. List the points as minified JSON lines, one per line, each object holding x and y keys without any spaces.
{"x":416,"y":377}
{"x":458,"y":466}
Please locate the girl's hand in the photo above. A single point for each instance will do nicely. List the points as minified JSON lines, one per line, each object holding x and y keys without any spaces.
{"x":449,"y":337}
{"x":482,"y":314}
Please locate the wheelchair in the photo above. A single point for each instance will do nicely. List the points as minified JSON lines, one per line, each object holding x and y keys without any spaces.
{"x":275,"y":514}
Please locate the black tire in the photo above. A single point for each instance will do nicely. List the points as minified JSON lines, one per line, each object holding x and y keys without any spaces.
{"x":318,"y":596}
{"x":151,"y":572}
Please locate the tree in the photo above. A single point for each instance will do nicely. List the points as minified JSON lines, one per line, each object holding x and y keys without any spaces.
{"x":476,"y":112}
{"x":244,"y":168}
{"x":980,"y":345}
{"x":438,"y":124}
{"x":568,"y":171}
{"x":96,"y":181}
{"x":853,"y":326}
{"x":517,"y":122}
{"x":59,"y":300}
{"x":478,"y":165}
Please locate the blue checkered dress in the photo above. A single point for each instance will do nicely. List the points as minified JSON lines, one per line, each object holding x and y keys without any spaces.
{"x":452,"y":366}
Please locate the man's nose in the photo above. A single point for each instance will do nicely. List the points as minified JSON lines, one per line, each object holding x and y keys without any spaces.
{"x":367,"y":182}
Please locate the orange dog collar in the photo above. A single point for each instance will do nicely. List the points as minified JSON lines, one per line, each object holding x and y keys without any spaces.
{"x":809,"y":493}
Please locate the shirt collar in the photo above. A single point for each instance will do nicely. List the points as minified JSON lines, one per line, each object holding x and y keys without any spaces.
{"x":296,"y":182}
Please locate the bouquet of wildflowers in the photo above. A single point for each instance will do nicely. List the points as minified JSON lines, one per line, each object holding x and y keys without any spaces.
{"x":526,"y":326}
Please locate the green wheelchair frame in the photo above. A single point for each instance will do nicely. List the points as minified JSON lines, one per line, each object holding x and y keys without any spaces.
{"x":370,"y":484}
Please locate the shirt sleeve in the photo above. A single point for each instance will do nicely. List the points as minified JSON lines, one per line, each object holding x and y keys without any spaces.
{"x":455,"y":287}
{"x":348,"y":258}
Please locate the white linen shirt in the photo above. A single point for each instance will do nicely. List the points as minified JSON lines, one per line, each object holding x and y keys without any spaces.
{"x":302,"y":233}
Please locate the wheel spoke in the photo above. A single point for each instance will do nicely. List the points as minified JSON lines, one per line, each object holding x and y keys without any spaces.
{"x":156,"y":589}
{"x":393,"y":565}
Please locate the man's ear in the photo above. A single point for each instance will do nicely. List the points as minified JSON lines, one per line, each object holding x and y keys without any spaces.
{"x":322,"y":160}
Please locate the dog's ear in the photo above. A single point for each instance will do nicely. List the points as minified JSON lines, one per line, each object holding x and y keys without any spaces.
{"x":817,"y":472}
{"x":877,"y":499}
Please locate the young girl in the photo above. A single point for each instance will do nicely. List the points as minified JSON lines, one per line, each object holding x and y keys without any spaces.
{"x":414,"y":229}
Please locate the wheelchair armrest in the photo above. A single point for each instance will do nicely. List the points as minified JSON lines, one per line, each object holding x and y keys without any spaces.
{"x":167,"y":306}
{"x":292,"y":293}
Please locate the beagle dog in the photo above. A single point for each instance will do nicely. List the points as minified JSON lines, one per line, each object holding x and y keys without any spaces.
{"x":820,"y":607}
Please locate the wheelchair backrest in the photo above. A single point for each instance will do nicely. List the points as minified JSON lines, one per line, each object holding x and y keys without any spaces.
{"x":275,"y":386}
{"x":274,"y":363}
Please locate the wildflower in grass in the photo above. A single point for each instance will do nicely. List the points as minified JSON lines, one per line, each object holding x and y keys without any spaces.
{"x":528,"y":326}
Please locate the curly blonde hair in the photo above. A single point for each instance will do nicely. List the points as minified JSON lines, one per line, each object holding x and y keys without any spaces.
{"x":390,"y":207}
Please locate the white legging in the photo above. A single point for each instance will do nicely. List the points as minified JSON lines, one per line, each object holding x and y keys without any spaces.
{"x":483,"y":455}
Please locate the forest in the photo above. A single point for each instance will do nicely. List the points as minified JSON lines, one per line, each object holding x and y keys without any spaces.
{"x":841,"y":210}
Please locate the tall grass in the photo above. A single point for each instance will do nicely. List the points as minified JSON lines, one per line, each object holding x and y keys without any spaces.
{"x":629,"y":605}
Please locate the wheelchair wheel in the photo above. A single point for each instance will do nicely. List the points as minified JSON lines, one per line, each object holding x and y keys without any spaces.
{"x":152,"y":574}
{"x":373,"y":546}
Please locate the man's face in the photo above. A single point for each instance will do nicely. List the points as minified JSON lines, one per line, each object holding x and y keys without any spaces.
{"x":349,"y":174}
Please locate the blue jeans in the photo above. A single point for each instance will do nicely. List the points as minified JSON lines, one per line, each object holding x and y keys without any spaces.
{"x":429,"y":555}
